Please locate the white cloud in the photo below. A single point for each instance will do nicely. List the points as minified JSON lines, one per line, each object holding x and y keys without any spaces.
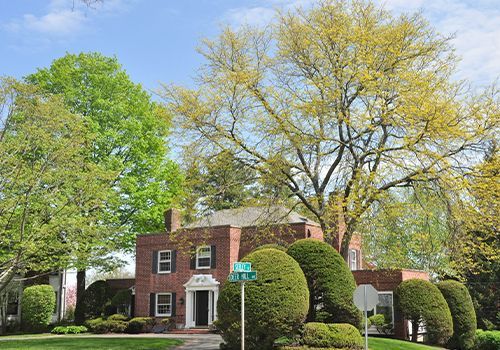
{"x":475,"y":25}
{"x":63,"y":20}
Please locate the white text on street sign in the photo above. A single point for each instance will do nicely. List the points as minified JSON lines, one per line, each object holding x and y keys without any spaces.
{"x":242,"y":267}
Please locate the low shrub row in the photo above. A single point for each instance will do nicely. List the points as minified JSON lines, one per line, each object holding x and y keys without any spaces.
{"x":120,"y":324}
{"x":69,"y":330}
{"x":487,"y":340}
{"x":332,"y":335}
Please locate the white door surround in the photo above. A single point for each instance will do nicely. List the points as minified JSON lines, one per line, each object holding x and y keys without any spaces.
{"x":201,"y":283}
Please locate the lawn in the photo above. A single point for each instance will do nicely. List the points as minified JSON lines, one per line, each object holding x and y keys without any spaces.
{"x":392,"y":344}
{"x":80,"y":343}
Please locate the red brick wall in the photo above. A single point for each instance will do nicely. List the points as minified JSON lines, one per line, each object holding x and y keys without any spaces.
{"x":389,"y":280}
{"x":225,"y":238}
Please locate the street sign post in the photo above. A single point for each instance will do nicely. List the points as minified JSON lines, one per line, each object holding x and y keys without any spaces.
{"x":365,"y":298}
{"x":242,"y":272}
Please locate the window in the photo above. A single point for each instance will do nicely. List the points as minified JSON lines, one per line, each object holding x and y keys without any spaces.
{"x":163,"y":304}
{"x":353,"y":260}
{"x":385,"y":306}
{"x":203,"y":257}
{"x":164,"y":261}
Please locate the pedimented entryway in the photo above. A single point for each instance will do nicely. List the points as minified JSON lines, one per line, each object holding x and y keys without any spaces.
{"x":202,"y":292}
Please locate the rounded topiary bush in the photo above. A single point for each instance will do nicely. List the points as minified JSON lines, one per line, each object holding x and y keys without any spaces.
{"x":332,"y":335}
{"x":330,"y":282}
{"x":462,"y":312}
{"x":37,"y":305}
{"x":275,"y":305}
{"x":420,"y":300}
{"x":271,"y":246}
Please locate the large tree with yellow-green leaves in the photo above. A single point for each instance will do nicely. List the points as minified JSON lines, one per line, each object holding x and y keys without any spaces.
{"x":341,"y":103}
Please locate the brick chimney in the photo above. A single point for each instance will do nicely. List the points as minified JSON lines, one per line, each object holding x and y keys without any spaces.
{"x":172,"y":220}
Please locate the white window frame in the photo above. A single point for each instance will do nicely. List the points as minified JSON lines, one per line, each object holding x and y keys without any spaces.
{"x":164,"y":261}
{"x":168,"y":314}
{"x":355,"y":260}
{"x":198,"y":250}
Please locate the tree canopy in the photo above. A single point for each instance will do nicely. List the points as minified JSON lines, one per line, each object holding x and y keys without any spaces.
{"x":340,"y":98}
{"x":131,"y":138}
{"x":50,"y":194}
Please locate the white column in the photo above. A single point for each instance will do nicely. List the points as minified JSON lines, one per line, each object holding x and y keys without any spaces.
{"x":189,"y":309}
{"x":216,"y":297}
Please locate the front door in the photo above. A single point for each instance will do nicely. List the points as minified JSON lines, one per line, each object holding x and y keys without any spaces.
{"x":201,"y":308}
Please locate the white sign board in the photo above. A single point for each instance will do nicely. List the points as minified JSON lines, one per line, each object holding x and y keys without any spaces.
{"x":371,"y":297}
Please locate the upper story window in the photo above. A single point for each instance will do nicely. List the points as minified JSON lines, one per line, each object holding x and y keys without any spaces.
{"x":164,"y":261}
{"x":163,"y":304}
{"x":203,"y":257}
{"x":353,"y":259}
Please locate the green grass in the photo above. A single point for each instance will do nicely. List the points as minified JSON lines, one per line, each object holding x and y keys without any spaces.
{"x":80,"y":343}
{"x":393,"y":344}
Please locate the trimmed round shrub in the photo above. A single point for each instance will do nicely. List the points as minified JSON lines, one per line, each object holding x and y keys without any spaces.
{"x":100,"y":325}
{"x":271,"y":246}
{"x":94,"y":301}
{"x":275,"y":305}
{"x":37,"y":305}
{"x":140,"y":325}
{"x":420,"y":300}
{"x":330,"y":282}
{"x":487,"y":340}
{"x":462,"y":312}
{"x":333,"y":335}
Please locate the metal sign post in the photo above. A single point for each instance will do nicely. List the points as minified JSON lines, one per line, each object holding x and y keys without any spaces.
{"x":366,"y":318}
{"x":242,"y":315}
{"x":242,"y":271}
{"x":365,"y":298}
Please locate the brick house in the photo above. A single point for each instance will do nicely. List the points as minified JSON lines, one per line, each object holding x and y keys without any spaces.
{"x":180,"y":271}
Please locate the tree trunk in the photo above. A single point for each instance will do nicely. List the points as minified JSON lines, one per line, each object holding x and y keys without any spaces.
{"x":80,"y":290}
{"x":414,"y":330}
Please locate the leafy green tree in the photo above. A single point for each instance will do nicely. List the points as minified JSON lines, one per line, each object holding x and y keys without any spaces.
{"x":342,"y":97}
{"x":50,"y":193}
{"x":410,"y":229}
{"x":131,"y":141}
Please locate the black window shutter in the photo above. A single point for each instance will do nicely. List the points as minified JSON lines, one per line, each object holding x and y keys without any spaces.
{"x":173,"y":259}
{"x":154,"y":267}
{"x":213,"y":261}
{"x":193,"y":258}
{"x":173,"y":304}
{"x":152,"y":304}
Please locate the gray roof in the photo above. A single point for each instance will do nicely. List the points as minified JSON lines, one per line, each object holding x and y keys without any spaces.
{"x":251,"y":216}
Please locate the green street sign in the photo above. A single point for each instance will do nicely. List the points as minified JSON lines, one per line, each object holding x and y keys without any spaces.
{"x":242,"y":267}
{"x":242,"y":276}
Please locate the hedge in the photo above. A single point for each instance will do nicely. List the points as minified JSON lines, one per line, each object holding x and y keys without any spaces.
{"x":37,"y":305}
{"x":336,"y":335}
{"x":276,"y":303}
{"x":69,"y":330}
{"x":330,"y":282}
{"x":421,"y":300}
{"x":100,"y":325}
{"x":140,"y":325}
{"x":487,"y":340}
{"x":462,"y":312}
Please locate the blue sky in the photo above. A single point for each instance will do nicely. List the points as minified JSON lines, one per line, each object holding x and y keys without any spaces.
{"x":156,"y":40}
